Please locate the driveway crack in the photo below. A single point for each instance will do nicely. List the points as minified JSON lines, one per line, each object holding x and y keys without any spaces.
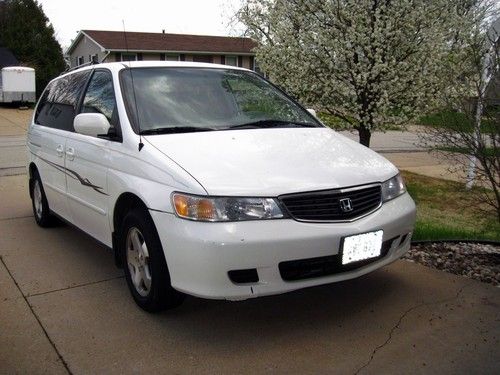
{"x":65,"y":364}
{"x":75,"y":286}
{"x":400,"y":320}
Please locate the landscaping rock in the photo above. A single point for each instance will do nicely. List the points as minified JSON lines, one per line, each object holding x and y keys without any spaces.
{"x":473,"y":260}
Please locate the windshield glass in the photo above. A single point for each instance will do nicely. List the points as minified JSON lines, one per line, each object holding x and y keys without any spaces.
{"x":212,"y":99}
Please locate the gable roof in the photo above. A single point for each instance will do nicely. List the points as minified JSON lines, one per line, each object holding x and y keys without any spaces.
{"x":7,"y":58}
{"x":163,"y":42}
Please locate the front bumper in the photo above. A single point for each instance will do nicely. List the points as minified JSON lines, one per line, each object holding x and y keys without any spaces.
{"x":200,"y":255}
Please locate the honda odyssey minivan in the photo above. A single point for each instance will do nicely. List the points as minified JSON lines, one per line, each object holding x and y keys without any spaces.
{"x":210,"y":181}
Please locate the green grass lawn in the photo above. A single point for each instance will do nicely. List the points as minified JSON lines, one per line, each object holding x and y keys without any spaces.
{"x":445,"y":210}
{"x":488,"y":151}
{"x":457,"y":120}
{"x":333,"y":122}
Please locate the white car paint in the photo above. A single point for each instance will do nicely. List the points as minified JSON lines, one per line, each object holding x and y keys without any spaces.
{"x":274,"y":161}
{"x":252,"y":162}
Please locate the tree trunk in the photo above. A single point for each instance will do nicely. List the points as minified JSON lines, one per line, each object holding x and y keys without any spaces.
{"x":364,"y":136}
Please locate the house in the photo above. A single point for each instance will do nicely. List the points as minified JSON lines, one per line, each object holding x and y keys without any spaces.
{"x":108,"y":46}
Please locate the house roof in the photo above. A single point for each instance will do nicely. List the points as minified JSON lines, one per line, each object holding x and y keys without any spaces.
{"x":140,"y":41}
{"x":7,"y":58}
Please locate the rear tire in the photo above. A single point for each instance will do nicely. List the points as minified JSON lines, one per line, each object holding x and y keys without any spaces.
{"x":41,"y":210}
{"x":144,"y":264}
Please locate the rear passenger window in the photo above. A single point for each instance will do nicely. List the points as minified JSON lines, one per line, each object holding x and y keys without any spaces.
{"x":100,"y":97}
{"x":43,"y":104}
{"x":57,"y":107}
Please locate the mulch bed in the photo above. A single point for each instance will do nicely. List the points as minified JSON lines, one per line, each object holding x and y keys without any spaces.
{"x":476,"y":261}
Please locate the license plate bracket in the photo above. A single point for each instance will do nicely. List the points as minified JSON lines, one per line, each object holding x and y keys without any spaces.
{"x":361,"y":247}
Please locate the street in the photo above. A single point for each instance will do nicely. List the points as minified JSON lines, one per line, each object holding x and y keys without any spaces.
{"x":401,"y":148}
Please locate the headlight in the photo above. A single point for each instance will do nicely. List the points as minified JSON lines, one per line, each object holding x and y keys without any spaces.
{"x":393,"y":188}
{"x":225,"y":208}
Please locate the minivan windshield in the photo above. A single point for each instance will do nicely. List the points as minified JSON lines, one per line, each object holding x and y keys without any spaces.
{"x":174,"y":100}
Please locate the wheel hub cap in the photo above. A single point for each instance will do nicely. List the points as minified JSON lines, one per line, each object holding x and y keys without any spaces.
{"x":37,"y":200}
{"x":138,"y":261}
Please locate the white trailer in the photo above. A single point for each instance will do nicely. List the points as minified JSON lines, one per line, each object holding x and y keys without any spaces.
{"x":17,"y":84}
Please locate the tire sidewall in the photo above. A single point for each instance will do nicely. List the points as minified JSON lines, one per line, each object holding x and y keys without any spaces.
{"x":46,"y":218}
{"x":161,"y":294}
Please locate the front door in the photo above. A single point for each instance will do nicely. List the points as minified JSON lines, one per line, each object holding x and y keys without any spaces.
{"x":87,"y":162}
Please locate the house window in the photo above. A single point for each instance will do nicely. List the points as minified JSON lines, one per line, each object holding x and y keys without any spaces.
{"x":171,"y":57}
{"x":203,"y":58}
{"x":232,"y":60}
{"x":80,"y":60}
{"x":129,"y":56}
{"x":94,"y":58}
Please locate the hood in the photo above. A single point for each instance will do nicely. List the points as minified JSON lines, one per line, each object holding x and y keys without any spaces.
{"x":270,"y":162}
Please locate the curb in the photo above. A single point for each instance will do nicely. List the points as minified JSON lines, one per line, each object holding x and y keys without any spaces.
{"x":399,"y":151}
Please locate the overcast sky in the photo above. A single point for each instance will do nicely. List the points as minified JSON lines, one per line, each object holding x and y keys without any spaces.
{"x":209,"y":17}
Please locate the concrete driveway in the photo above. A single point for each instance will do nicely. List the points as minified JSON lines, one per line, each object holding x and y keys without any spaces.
{"x":65,"y":308}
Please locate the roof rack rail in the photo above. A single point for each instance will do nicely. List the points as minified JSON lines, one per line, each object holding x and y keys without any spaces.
{"x":81,"y":66}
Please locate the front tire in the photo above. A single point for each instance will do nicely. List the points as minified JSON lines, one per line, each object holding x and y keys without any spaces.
{"x":144,"y":263}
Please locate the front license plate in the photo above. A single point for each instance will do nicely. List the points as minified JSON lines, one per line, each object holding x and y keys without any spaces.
{"x":361,"y":247}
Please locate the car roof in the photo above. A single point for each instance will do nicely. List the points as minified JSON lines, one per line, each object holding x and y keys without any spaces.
{"x":117,"y":66}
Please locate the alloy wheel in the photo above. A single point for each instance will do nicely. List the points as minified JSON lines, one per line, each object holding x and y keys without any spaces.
{"x":37,"y":199}
{"x":138,"y":261}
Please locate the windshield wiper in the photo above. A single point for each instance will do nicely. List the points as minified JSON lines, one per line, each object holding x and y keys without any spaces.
{"x":175,"y":129}
{"x":265,"y":124}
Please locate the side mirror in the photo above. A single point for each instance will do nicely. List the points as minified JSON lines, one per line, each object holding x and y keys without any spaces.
{"x":312,"y":112}
{"x":93,"y":124}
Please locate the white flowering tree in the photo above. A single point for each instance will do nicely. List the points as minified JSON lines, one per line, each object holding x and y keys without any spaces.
{"x":369,"y":63}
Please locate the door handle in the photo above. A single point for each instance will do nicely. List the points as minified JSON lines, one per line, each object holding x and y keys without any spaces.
{"x":59,"y":150}
{"x":70,"y":153}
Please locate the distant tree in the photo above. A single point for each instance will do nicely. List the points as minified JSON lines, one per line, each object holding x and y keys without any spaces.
{"x":369,"y":63}
{"x":27,"y":32}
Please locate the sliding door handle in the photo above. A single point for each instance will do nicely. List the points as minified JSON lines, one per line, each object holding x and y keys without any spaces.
{"x":60,"y":150}
{"x":70,"y":153}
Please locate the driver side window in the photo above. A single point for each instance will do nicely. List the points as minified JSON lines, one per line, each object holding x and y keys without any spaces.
{"x":100,"y":97}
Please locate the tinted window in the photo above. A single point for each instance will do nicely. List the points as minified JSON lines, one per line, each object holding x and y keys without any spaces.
{"x":42,"y":103}
{"x":58,"y":104}
{"x":100,"y":97}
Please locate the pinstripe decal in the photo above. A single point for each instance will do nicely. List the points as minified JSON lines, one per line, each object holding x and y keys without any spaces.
{"x":74,"y":175}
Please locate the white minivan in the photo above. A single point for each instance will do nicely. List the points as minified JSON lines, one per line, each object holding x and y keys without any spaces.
{"x":208,"y":180}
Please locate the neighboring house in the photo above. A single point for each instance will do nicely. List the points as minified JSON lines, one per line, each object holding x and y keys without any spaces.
{"x":108,"y":46}
{"x":7,"y":58}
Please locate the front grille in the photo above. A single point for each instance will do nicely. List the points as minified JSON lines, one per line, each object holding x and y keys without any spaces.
{"x":302,"y":269}
{"x":325,"y":205}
